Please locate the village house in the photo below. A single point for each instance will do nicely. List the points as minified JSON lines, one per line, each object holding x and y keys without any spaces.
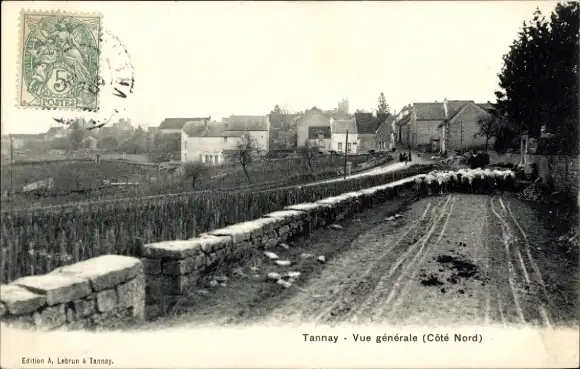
{"x":421,"y":126}
{"x":209,"y":142}
{"x":54,"y":133}
{"x":367,"y":125}
{"x":385,"y":135}
{"x":319,"y":139}
{"x":402,"y":131}
{"x":338,"y":135}
{"x":21,"y":140}
{"x":459,"y":131}
{"x":316,"y":117}
{"x":175,"y":125}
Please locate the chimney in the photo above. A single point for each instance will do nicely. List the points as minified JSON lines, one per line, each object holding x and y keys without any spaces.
{"x":445,"y":108}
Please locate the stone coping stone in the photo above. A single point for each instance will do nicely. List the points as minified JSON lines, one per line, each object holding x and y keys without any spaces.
{"x":369,"y":191}
{"x":58,"y":288}
{"x":307,"y":206}
{"x":286,"y":214}
{"x":176,"y":249}
{"x":18,"y":300}
{"x":270,"y":224}
{"x":106,"y":271}
{"x":210,"y":243}
{"x":351,"y":195}
{"x":335,"y":200}
{"x":240,"y":231}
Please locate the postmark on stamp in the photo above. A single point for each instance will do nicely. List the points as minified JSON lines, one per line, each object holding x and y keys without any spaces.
{"x":59,"y":54}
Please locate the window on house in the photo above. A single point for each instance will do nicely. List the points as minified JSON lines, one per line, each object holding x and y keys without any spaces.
{"x":207,"y":158}
{"x":340,"y":146}
{"x":349,"y":147}
{"x":225,"y":139}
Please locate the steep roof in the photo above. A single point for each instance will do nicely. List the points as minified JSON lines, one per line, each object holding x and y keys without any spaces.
{"x":366,"y":123}
{"x":54,"y":130}
{"x":404,"y":120}
{"x":178,"y":123}
{"x":429,"y":111}
{"x":485,"y":106}
{"x":233,"y":127}
{"x":248,"y":123}
{"x":313,"y":131}
{"x":336,"y":114}
{"x":460,"y":104}
{"x":213,"y":129}
{"x":436,"y":110}
{"x":388,"y":122}
{"x":454,"y":106}
{"x":341,"y":126}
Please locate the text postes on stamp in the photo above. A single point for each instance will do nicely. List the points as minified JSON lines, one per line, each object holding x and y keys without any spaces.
{"x":59,"y":60}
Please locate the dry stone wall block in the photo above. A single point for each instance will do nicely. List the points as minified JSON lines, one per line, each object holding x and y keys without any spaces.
{"x":75,"y":295}
{"x":84,"y":307}
{"x":56,"y":288}
{"x":152,"y":266}
{"x":50,"y":317}
{"x":131,"y":293}
{"x":105,"y":271}
{"x":106,"y":300}
{"x":19,"y":301}
{"x":172,"y":249}
{"x":178,"y":267}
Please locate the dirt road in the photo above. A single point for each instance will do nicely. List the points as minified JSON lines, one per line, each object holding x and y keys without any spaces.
{"x":450,"y":259}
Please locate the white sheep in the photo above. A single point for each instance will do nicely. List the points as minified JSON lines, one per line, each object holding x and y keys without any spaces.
{"x":419,"y":180}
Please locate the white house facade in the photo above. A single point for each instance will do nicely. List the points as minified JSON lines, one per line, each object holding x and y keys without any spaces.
{"x":338,"y":136}
{"x":209,"y":142}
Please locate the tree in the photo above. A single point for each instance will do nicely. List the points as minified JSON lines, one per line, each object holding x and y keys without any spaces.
{"x":539,"y":79}
{"x":245,"y":151}
{"x":383,"y":107}
{"x":194,"y":170}
{"x":487,"y":128}
{"x":77,"y":135}
{"x":310,"y":151}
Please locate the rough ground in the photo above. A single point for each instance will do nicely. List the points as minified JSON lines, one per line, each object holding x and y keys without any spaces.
{"x":449,"y":259}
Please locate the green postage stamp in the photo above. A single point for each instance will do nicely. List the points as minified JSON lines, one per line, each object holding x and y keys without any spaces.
{"x":59,"y":60}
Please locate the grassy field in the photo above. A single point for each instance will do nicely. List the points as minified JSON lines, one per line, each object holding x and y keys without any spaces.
{"x":37,"y":241}
{"x":83,"y":180}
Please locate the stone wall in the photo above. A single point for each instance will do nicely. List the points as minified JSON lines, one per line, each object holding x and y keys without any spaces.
{"x":105,"y":291}
{"x":172,"y":267}
{"x":560,"y":170}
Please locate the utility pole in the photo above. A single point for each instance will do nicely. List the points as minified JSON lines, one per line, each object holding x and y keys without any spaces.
{"x":461,"y":127}
{"x":345,"y":153}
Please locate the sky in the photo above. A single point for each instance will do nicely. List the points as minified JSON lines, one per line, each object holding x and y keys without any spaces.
{"x":194,"y":59}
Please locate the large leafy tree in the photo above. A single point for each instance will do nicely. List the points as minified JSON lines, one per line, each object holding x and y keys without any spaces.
{"x":539,"y":79}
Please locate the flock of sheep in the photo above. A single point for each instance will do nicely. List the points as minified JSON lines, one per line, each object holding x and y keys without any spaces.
{"x":464,"y":180}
